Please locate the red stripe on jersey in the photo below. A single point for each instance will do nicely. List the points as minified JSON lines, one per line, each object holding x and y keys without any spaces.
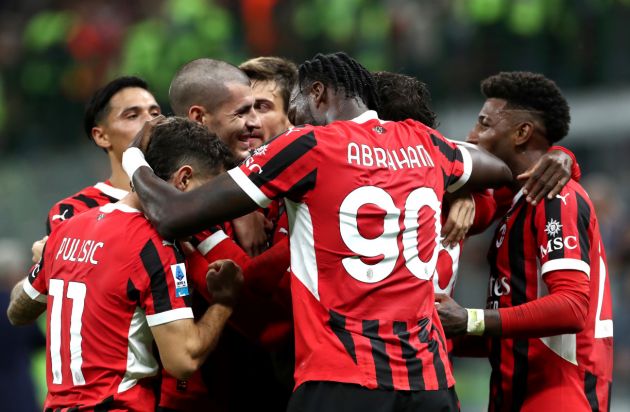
{"x":560,"y":234}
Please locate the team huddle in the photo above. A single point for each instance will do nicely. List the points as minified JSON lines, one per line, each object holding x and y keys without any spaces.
{"x":290,"y":240}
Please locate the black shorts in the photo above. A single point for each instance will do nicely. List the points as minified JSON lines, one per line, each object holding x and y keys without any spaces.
{"x":345,"y":397}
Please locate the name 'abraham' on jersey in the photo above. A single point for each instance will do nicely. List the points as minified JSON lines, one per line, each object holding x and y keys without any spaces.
{"x":364,"y":247}
{"x":530,"y":241}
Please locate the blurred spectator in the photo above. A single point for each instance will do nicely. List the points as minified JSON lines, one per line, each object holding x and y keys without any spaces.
{"x":17,"y":344}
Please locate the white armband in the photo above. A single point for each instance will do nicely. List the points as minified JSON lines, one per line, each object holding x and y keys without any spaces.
{"x":132,"y":159}
{"x":476,"y":323}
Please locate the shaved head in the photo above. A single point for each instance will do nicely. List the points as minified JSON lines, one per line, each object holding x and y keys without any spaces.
{"x":203,"y":82}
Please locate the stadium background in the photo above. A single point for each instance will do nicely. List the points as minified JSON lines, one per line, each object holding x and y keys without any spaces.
{"x":53,"y":54}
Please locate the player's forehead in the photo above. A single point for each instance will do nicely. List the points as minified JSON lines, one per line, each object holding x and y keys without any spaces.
{"x":268,"y":89}
{"x":238,"y":96}
{"x":493,"y":108}
{"x":131,"y":97}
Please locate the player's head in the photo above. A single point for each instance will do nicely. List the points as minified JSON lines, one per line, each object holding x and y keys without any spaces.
{"x":523,"y":110}
{"x":117,"y":111}
{"x":403,"y":97}
{"x":217,"y":95}
{"x":272,"y":79}
{"x":186,"y":154}
{"x":326,"y":82}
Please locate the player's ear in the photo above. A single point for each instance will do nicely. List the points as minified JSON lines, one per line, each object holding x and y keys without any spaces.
{"x":523,"y":133}
{"x":101,"y":138}
{"x":318,"y":91}
{"x":197,"y":114}
{"x":183,"y":177}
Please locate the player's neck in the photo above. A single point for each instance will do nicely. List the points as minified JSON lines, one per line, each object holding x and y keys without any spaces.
{"x":119,"y":178}
{"x":346,"y":109}
{"x":132,"y":200}
{"x":523,"y":161}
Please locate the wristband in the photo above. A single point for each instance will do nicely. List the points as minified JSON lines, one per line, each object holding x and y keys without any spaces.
{"x":476,"y":324}
{"x":132,"y":159}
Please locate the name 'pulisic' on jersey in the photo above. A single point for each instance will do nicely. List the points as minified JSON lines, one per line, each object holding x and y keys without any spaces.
{"x":79,"y":250}
{"x":409,"y":157}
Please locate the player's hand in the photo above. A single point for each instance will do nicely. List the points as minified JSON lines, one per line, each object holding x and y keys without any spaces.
{"x":143,"y":137}
{"x":460,"y":219}
{"x":38,"y":249}
{"x":454,"y":318}
{"x":224,"y":280}
{"x":547,"y":177}
{"x":251,"y":232}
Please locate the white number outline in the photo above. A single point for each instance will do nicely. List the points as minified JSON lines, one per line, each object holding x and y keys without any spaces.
{"x":603,"y":328}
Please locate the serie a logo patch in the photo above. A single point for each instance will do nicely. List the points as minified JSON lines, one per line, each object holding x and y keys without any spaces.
{"x":181,"y":283}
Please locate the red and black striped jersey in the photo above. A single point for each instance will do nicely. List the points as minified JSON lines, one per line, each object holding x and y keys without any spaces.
{"x":363,"y":198}
{"x":106,"y":276}
{"x":100,"y":194}
{"x":570,"y":371}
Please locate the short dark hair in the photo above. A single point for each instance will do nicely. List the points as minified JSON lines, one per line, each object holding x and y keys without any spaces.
{"x":340,"y":71}
{"x":98,"y":107}
{"x":403,"y":97}
{"x":203,"y":82}
{"x":535,"y":92}
{"x":181,"y":141}
{"x":282,"y":71}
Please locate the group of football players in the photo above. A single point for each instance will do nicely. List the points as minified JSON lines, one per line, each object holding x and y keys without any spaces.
{"x":290,"y":238}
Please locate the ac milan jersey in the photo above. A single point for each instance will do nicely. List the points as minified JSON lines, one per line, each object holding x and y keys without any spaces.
{"x":567,"y":372}
{"x":107,"y":277}
{"x":363,"y":199}
{"x":100,"y":194}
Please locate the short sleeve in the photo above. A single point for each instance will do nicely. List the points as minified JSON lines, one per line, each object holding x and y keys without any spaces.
{"x":455,"y":162}
{"x":562,"y":227}
{"x":35,"y":284}
{"x":166,"y":295}
{"x":285,"y":167}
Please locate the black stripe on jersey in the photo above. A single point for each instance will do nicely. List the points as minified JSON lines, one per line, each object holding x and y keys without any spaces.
{"x":451,"y":154}
{"x":110,"y":198}
{"x":590,"y":390}
{"x":553,"y":211}
{"x":155,"y":270}
{"x":106,"y":405}
{"x":440,"y":372}
{"x":409,"y":353}
{"x":337,"y":323}
{"x":283,"y":159}
{"x":496,"y":377}
{"x":381,"y":358}
{"x":133,"y":294}
{"x":516,"y":253}
{"x":66,"y":211}
{"x":89,"y":202}
{"x":584,"y":221}
{"x":305,"y":184}
{"x":73,"y":409}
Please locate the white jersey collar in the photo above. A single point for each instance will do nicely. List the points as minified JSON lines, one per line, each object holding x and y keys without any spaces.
{"x":111,"y":190}
{"x":366,"y":116}
{"x":110,"y":207}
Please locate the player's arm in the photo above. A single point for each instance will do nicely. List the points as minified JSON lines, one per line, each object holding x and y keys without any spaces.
{"x":184,"y":344}
{"x":550,"y":174}
{"x":562,"y":311}
{"x":482,"y":170}
{"x":23,"y":310}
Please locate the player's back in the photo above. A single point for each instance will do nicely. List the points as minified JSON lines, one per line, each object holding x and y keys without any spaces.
{"x":365,"y":225}
{"x":98,"y":268}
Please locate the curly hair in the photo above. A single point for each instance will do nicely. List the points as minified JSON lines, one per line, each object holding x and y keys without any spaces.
{"x":180,"y":141}
{"x":535,"y":92}
{"x":403,"y":97}
{"x":340,"y":71}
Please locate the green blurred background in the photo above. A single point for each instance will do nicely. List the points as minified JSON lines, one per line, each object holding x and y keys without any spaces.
{"x":54,"y":54}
